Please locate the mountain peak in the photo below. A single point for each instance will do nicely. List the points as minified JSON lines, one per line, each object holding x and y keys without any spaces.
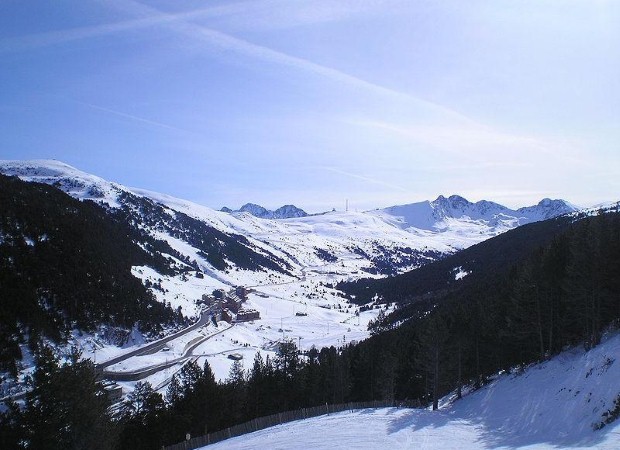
{"x":548,"y":208}
{"x":457,"y":198}
{"x":283,"y":212}
{"x":453,"y":206}
{"x":289,"y":211}
{"x":458,"y":212}
{"x":255,"y":210}
{"x":453,"y":200}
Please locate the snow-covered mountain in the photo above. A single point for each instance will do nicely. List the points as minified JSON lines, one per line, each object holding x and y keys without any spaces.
{"x":458,"y":215}
{"x":345,"y":244}
{"x":283,"y":212}
{"x":547,"y":209}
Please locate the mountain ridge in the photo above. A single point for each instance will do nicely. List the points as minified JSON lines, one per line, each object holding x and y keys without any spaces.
{"x":385,"y":241}
{"x":283,"y":212}
{"x":437,"y":214}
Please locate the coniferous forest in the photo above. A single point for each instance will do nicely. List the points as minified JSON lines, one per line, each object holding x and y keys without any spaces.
{"x":66,"y":264}
{"x":563,"y":292}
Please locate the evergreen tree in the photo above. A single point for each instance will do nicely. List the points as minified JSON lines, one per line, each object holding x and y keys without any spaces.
{"x":287,"y":358}
{"x":143,"y":418}
{"x":142,"y":402}
{"x":67,"y":407}
{"x":236,"y":392}
{"x":256,"y":395}
{"x":433,"y":339}
{"x":174,"y":391}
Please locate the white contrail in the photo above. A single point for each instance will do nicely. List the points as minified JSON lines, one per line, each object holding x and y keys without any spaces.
{"x":132,"y":117}
{"x":228,"y":42}
{"x":364,"y":178}
{"x":180,"y":23}
{"x":51,"y":38}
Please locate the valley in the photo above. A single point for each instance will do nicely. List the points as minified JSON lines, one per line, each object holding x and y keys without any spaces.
{"x":297,"y":263}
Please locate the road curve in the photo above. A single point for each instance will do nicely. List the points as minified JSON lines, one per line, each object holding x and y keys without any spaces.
{"x":159,"y":344}
{"x":143,"y":372}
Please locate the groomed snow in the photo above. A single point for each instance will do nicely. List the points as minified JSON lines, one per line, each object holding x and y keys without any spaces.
{"x":395,"y":429}
{"x":548,"y":406}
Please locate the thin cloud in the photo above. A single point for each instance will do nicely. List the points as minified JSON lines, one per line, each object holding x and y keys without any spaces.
{"x":57,"y":37}
{"x":181,"y":23}
{"x":269,"y":15}
{"x":480,"y":142}
{"x":364,"y":178}
{"x":133,"y":118}
{"x":250,"y":49}
{"x":247,"y":48}
{"x":267,"y":10}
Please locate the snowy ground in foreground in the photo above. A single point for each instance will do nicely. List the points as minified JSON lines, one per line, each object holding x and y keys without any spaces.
{"x":549,"y":406}
{"x":393,"y":429}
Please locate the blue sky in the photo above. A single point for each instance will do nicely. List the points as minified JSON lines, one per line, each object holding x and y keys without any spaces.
{"x":380,"y":102}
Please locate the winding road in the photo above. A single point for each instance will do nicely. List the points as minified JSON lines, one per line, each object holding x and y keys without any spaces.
{"x":143,"y":372}
{"x":153,"y":347}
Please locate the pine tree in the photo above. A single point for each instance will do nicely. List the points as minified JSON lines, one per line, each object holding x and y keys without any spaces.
{"x":528,"y":312}
{"x":287,"y":358}
{"x":143,"y":416}
{"x":433,"y":339}
{"x":67,"y":408}
{"x":236,"y":386}
{"x":174,"y":392}
{"x":142,"y":402}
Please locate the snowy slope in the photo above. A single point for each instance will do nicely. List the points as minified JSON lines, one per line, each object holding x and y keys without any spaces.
{"x":76,"y":183}
{"x":548,"y":406}
{"x":361,"y":242}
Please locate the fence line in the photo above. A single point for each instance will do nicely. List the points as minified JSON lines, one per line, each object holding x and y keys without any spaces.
{"x":279,"y":418}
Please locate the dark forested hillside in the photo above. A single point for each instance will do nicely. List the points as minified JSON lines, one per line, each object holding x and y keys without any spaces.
{"x":495,"y":255}
{"x":218,"y":248}
{"x":563,"y":293}
{"x":66,"y":263}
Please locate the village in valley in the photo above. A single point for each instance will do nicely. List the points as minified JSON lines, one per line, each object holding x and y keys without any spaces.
{"x":228,"y":305}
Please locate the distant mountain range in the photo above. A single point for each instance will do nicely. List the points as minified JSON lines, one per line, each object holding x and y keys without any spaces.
{"x":435,"y":215}
{"x":458,"y":214}
{"x":284,"y":212}
{"x":247,"y":245}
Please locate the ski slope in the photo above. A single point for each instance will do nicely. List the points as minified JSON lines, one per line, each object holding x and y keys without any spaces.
{"x":547,"y":406}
